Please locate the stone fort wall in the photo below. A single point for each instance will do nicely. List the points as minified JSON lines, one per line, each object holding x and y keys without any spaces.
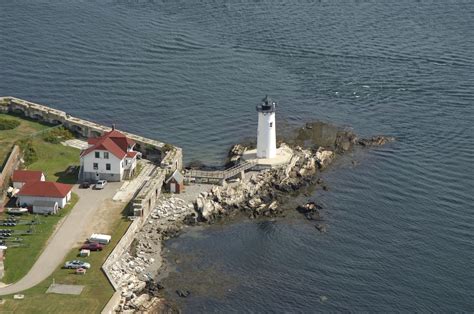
{"x":170,"y":159}
{"x":6,"y":172}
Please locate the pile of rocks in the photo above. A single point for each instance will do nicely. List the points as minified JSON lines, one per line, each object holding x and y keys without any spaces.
{"x":135,"y":269}
{"x":235,"y":154}
{"x":171,"y":209}
{"x":262,"y":192}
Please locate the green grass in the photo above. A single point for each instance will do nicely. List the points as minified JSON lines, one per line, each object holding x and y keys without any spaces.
{"x":8,"y":137}
{"x":138,"y":169}
{"x":93,"y":298}
{"x":19,"y":260}
{"x":54,"y":160}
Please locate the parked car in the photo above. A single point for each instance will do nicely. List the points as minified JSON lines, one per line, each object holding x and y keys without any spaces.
{"x":85,"y":185}
{"x":93,"y":246}
{"x":100,"y":184}
{"x":77,"y":264}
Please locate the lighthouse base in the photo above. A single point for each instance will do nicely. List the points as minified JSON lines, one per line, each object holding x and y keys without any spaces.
{"x":282,"y":158}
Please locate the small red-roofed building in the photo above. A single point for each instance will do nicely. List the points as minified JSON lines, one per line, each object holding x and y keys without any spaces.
{"x":20,"y":177}
{"x":109,"y":157}
{"x":34,"y":192}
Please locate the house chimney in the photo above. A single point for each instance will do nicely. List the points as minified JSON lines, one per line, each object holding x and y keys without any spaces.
{"x":113,"y":126}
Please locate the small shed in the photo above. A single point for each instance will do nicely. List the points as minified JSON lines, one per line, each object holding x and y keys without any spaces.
{"x":175,"y":183}
{"x":45,"y":207}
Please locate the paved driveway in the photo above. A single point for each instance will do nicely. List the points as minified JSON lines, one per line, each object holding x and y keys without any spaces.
{"x":67,"y":235}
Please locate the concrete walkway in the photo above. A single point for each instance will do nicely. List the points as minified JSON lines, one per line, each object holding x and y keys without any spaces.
{"x":128,"y":189}
{"x":66,"y":237}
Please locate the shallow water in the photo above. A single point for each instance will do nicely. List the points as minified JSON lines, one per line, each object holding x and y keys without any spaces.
{"x":400,"y":223}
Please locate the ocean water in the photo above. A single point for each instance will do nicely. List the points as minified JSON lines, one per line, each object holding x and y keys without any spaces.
{"x":401,"y":221}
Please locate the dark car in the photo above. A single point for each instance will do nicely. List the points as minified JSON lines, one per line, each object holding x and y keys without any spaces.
{"x":85,"y":185}
{"x":92,"y":246}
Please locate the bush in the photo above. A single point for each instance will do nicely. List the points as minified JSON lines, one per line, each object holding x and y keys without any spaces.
{"x":29,"y":152}
{"x":57,"y":135}
{"x":8,"y":124}
{"x":166,"y":148}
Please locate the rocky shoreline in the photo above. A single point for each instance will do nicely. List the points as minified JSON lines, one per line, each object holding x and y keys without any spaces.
{"x":263,"y":193}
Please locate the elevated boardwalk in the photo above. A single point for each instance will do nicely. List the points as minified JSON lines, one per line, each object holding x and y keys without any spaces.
{"x":219,"y":175}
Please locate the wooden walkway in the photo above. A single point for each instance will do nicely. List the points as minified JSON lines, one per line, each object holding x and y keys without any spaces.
{"x":220,"y":174}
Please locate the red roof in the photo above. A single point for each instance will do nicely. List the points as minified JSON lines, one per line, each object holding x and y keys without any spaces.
{"x":26,"y":175}
{"x":120,"y":139}
{"x":132,"y":154}
{"x":45,"y":189}
{"x":114,"y":142}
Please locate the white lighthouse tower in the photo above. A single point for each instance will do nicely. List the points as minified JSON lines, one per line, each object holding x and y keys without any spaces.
{"x":266,"y":132}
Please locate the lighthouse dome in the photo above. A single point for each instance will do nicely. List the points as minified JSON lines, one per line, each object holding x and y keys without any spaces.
{"x":267,"y":105}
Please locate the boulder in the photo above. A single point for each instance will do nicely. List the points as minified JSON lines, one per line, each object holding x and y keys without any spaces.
{"x":273,"y":206}
{"x":139,"y":286}
{"x":324,"y":157}
{"x":141,"y":300}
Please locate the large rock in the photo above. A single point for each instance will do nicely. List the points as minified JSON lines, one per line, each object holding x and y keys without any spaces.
{"x":141,"y":300}
{"x":324,"y":157}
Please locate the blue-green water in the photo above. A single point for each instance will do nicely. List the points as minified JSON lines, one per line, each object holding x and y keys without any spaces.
{"x":190,"y":72}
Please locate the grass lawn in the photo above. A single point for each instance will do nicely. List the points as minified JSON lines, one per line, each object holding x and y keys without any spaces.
{"x":53,"y":160}
{"x":93,"y":298}
{"x":8,"y":137}
{"x":19,"y":260}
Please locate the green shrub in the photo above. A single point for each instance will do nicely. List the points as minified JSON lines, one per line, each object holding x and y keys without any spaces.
{"x":29,"y":153}
{"x":57,"y":135}
{"x":8,"y":124}
{"x":166,"y":148}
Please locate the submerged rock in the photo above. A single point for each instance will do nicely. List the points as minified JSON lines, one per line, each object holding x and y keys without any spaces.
{"x":375,"y":140}
{"x":321,"y":227}
{"x":183,"y":293}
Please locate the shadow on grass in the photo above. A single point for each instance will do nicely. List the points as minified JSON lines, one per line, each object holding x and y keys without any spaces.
{"x":68,"y":176}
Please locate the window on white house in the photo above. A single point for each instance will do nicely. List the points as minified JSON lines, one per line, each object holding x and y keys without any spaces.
{"x":97,"y":154}
{"x":96,"y":166}
{"x":107,"y":166}
{"x":271,"y":124}
{"x":106,"y":155}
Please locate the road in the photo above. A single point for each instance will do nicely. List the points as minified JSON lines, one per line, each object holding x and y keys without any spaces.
{"x":67,"y":235}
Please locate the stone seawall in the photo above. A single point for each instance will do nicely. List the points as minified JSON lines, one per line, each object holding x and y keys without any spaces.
{"x":7,"y":170}
{"x":142,"y":204}
{"x":170,"y":160}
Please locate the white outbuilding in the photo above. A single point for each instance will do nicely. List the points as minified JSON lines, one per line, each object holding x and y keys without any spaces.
{"x":32,"y":192}
{"x":45,"y":207}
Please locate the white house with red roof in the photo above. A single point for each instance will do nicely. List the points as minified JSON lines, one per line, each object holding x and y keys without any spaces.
{"x":109,"y":157}
{"x":20,"y":177}
{"x":34,"y":192}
